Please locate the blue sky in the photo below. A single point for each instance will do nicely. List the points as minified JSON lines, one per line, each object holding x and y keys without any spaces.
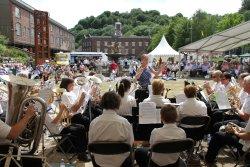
{"x":69,"y":12}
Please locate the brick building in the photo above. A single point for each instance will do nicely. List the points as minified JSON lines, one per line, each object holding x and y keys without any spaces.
{"x":127,"y":46}
{"x":17,"y":24}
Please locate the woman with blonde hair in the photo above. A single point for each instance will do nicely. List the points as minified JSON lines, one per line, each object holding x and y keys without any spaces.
{"x":158,"y":88}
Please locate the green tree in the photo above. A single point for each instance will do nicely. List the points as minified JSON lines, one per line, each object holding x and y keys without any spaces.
{"x":245,"y":5}
{"x":229,"y":20}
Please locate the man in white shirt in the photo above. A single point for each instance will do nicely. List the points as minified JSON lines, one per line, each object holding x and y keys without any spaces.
{"x":169,"y":131}
{"x":111,"y":127}
{"x":226,"y":81}
{"x":191,"y":106}
{"x":221,"y":139}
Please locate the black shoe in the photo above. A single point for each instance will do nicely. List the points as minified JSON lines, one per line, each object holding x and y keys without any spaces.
{"x":83,"y":157}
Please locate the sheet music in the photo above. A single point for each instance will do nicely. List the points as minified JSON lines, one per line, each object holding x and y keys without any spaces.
{"x":222,"y":100}
{"x":46,"y":95}
{"x":148,"y":114}
{"x":180,"y":98}
{"x":203,"y":95}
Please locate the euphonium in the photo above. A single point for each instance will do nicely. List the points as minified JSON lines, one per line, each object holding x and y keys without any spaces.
{"x":18,"y":90}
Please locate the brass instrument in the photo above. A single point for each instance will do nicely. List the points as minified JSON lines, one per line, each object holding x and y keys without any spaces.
{"x":18,"y":98}
{"x":233,"y":98}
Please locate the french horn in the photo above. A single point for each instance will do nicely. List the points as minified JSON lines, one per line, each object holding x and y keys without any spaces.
{"x":18,"y":99}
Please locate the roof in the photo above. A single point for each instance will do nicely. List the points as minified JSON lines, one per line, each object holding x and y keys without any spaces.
{"x":226,"y":40}
{"x":163,"y":49}
{"x":31,"y":9}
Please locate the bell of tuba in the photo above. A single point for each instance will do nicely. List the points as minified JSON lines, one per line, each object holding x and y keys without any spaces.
{"x":18,"y":98}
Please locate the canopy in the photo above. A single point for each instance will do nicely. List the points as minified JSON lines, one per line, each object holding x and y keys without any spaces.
{"x":226,"y":40}
{"x":162,"y":50}
{"x":245,"y":55}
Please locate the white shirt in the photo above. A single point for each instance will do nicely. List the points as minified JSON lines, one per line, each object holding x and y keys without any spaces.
{"x":127,"y":102}
{"x":246,"y":105}
{"x":110,"y":127}
{"x":5,"y":130}
{"x":192,"y":107}
{"x":242,"y":96}
{"x":69,"y":99}
{"x":157,"y":99}
{"x":217,"y":86}
{"x":167,"y":132}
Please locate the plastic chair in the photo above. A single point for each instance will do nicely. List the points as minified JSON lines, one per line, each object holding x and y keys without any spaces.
{"x":173,"y":146}
{"x":109,"y":148}
{"x":195,"y":128}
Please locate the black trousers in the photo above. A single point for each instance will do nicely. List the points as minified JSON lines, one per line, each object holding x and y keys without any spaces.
{"x":82,"y":120}
{"x":219,"y":140}
{"x":77,"y":135}
{"x":127,"y":162}
{"x":219,"y":124}
{"x":142,"y":159}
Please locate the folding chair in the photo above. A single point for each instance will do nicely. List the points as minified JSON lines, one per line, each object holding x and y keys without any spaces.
{"x":173,"y":146}
{"x":60,"y":139}
{"x":195,"y":128}
{"x":110,"y":148}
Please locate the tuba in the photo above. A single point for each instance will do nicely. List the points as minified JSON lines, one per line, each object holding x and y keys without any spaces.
{"x":18,"y":98}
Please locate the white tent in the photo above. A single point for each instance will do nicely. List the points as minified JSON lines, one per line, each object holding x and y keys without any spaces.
{"x":163,"y":50}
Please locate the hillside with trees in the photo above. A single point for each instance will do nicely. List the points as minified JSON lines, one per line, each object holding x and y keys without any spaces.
{"x":178,"y":30}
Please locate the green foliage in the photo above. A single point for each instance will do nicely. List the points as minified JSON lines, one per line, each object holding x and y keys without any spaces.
{"x":229,"y":20}
{"x":245,"y":5}
{"x":178,"y":30}
{"x":3,"y":40}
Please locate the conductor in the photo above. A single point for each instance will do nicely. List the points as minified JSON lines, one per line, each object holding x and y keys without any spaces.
{"x":144,"y":75}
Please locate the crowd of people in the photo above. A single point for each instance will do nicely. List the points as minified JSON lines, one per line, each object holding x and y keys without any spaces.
{"x":93,"y":117}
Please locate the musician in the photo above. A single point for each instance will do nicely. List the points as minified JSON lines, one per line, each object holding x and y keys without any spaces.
{"x":111,"y":127}
{"x":144,"y":72}
{"x":242,"y":94}
{"x":169,"y":131}
{"x":241,"y":136}
{"x":74,"y":103}
{"x":77,"y":132}
{"x":158,"y":88}
{"x":12,"y":132}
{"x":127,"y":101}
{"x":217,"y":86}
{"x":226,"y":80}
{"x":191,"y":106}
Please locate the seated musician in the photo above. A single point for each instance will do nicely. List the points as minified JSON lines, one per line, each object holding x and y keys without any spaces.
{"x":77,"y":132}
{"x":239,"y":119}
{"x":127,"y":101}
{"x":111,"y":127}
{"x":191,"y":106}
{"x":217,"y":86}
{"x":169,"y":131}
{"x":226,"y":80}
{"x":242,"y":94}
{"x":12,"y":132}
{"x":237,"y":137}
{"x":74,"y":103}
{"x":157,"y":97}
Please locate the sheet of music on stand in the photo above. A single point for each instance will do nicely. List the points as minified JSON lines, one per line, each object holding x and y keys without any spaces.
{"x":148,"y":114}
{"x":222,"y":100}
